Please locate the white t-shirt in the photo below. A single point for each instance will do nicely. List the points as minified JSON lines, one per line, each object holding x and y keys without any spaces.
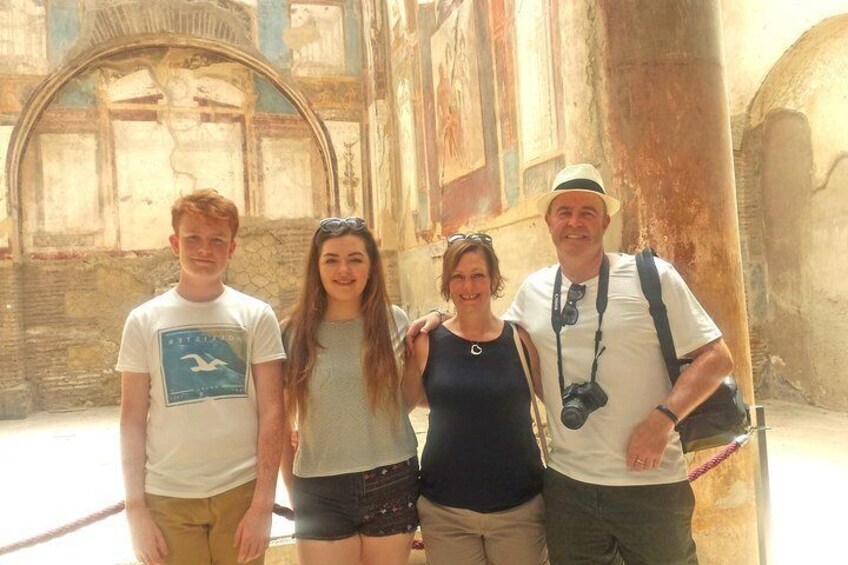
{"x":202,"y":425}
{"x":631,"y":369}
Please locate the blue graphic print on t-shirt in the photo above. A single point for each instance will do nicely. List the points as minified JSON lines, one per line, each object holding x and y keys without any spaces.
{"x":203,"y":362}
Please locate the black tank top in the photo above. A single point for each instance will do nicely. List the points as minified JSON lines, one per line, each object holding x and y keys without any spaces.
{"x":480,"y":452}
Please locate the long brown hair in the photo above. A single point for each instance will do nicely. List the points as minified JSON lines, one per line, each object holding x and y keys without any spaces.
{"x":379,"y":362}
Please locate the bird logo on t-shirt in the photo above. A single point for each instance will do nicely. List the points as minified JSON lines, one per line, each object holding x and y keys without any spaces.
{"x":202,"y":364}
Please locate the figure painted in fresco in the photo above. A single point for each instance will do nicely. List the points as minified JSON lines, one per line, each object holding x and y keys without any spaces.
{"x":456,"y":94}
{"x":450,"y":123}
{"x":460,"y":88}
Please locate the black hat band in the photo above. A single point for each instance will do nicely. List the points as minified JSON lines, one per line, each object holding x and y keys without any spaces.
{"x":582,"y":184}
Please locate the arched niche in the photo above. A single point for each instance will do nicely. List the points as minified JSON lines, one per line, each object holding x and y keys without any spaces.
{"x":100,"y":52}
{"x":793,"y":184}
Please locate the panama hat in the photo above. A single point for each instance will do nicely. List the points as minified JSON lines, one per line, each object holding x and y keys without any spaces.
{"x":578,"y":178}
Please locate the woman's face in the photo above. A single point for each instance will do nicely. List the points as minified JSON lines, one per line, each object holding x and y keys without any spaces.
{"x":470,"y":285}
{"x":344,"y":267}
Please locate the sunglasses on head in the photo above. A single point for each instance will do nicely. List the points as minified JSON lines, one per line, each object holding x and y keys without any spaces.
{"x":483,"y":238}
{"x":338,"y":226}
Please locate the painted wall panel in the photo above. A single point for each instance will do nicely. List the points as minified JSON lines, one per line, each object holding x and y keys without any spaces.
{"x":317,"y":39}
{"x":459,"y":121}
{"x":69,"y":191}
{"x":153,"y":167}
{"x":380,"y":153}
{"x":286,"y":177}
{"x":347,"y":143}
{"x":536,"y":96}
{"x":407,"y":148}
{"x":23,"y":37}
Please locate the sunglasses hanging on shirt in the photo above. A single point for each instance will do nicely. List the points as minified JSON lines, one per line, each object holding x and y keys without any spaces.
{"x":579,"y":399}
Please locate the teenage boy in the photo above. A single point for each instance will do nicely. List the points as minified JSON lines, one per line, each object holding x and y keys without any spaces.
{"x":201,"y":405}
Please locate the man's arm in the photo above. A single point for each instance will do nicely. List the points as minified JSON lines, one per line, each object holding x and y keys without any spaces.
{"x":254,"y":530}
{"x":147,"y":540}
{"x":710,"y":364}
{"x":425,"y":324}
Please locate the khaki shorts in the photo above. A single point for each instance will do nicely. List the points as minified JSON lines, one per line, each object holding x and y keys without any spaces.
{"x":199,"y":531}
{"x":509,"y":537}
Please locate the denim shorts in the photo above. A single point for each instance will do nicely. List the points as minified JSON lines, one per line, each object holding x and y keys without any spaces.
{"x":378,"y":502}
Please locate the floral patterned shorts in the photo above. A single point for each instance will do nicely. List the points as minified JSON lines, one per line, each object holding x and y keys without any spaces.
{"x":378,"y":502}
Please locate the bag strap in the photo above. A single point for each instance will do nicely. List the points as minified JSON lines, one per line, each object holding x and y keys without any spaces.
{"x":536,"y":414}
{"x":652,"y":289}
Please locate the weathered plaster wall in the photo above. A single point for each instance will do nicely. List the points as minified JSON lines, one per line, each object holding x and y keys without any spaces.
{"x":790,"y":175}
{"x":756,"y":35}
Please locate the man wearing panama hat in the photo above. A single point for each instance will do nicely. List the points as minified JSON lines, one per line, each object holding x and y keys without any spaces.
{"x":616,"y":487}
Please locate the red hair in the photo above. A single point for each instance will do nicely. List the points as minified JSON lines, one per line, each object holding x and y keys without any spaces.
{"x":208,"y":204}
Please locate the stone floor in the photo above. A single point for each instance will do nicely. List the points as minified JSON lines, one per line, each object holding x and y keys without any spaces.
{"x":56,"y":467}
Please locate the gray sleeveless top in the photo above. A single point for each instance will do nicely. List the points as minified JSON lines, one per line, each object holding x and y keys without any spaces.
{"x":341,"y":434}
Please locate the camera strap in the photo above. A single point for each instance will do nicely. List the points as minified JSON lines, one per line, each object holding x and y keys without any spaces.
{"x":558,"y":318}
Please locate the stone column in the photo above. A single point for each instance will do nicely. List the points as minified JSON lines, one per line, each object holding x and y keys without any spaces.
{"x":15,"y":396}
{"x":671,"y":156}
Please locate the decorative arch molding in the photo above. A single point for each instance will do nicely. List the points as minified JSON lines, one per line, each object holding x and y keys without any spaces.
{"x":97,"y":52}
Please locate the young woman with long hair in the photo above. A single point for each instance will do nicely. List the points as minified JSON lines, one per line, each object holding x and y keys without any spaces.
{"x":353,"y":478}
{"x":481,"y":470}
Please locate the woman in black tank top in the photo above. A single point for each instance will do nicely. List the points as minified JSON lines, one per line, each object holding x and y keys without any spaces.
{"x":481,"y":470}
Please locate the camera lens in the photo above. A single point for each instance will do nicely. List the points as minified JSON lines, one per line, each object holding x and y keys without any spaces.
{"x":574,"y":415}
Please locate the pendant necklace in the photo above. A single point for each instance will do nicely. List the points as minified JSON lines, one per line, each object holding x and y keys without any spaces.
{"x":476,"y":349}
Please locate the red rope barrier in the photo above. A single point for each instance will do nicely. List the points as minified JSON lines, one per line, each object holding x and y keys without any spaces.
{"x":288,"y":513}
{"x":91,"y":519}
{"x":728,"y":450}
{"x":64,"y":529}
{"x":284,"y":511}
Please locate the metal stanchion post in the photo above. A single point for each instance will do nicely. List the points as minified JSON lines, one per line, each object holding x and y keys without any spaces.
{"x":763,"y":488}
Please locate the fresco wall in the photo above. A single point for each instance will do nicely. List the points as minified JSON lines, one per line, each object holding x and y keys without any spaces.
{"x":478,"y":124}
{"x":125,"y":137}
{"x":791,"y":158}
{"x":446,"y":115}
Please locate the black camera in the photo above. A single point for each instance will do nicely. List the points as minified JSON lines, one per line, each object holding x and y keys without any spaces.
{"x":578,"y":401}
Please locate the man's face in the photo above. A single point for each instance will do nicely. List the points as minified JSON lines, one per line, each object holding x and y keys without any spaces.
{"x":577,"y":222}
{"x":203,"y":246}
